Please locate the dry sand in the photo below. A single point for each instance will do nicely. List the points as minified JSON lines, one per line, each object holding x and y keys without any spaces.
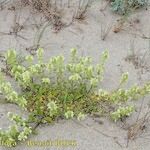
{"x":86,"y":36}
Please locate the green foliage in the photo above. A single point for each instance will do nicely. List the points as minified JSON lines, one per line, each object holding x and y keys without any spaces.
{"x":17,"y":132}
{"x":125,"y":6}
{"x":122,"y":112}
{"x":58,"y":89}
{"x":10,"y":94}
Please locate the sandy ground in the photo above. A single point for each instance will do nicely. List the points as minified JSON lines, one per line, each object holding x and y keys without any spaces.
{"x":87,"y":36}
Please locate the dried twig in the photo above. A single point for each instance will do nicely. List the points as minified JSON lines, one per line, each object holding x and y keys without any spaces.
{"x":137,"y":128}
{"x":105,"y":31}
{"x":81,"y":11}
{"x":102,"y":9}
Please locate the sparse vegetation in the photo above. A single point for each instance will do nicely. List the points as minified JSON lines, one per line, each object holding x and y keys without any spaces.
{"x":140,"y":61}
{"x":54,"y":90}
{"x":44,"y":91}
{"x":126,"y":6}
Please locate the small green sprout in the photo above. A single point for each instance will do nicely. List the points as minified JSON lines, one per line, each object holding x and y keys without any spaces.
{"x":81,"y":116}
{"x":69,"y":114}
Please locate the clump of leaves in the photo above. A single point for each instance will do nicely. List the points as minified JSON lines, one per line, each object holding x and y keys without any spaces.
{"x":122,"y":112}
{"x":125,"y":6}
{"x":55,"y":89}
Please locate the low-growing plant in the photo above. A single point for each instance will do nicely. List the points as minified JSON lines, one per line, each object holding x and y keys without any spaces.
{"x":57,"y":89}
{"x":122,"y":112}
{"x":125,"y":6}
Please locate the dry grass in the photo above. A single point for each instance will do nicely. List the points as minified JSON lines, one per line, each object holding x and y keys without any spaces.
{"x":50,"y":12}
